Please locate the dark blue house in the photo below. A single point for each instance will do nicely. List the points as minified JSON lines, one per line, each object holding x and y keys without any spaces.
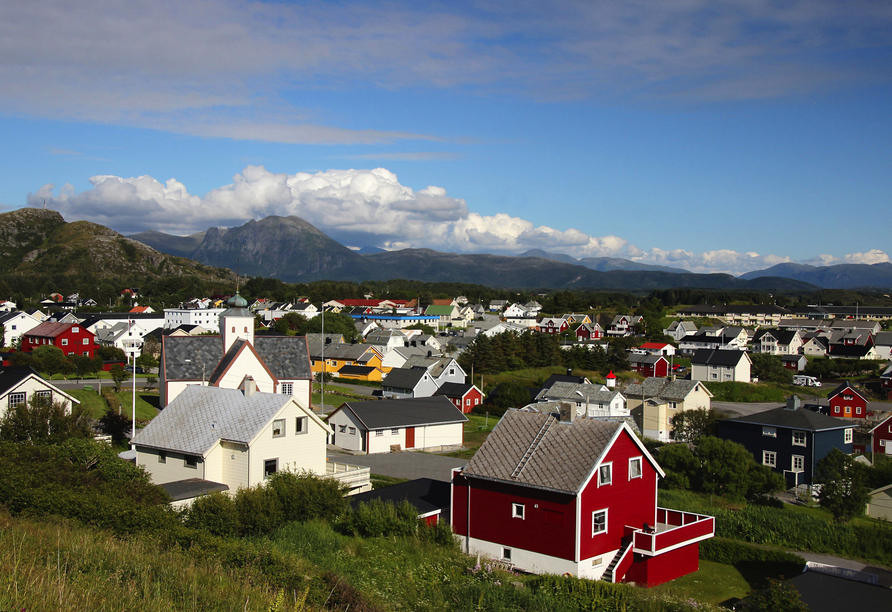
{"x":789,"y":440}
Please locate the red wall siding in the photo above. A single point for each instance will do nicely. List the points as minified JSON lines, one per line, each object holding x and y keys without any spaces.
{"x":883,"y":432}
{"x":651,"y":571}
{"x":661,"y":368}
{"x":546,"y":529}
{"x":837,"y":406}
{"x":629,"y":502}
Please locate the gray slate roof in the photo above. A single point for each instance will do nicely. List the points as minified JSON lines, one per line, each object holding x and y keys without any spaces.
{"x":200,"y":416}
{"x":191,"y":487}
{"x":664,"y":388}
{"x":793,"y":419}
{"x":567,"y":391}
{"x":451,"y":389}
{"x":386,"y":414}
{"x":403,"y":378}
{"x":286,"y":356}
{"x":562,"y":460}
{"x":719,"y":357}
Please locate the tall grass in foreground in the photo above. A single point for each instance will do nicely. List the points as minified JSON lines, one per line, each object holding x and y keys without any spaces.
{"x":62,"y":566}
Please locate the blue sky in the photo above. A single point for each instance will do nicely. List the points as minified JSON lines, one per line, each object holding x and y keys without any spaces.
{"x":720,"y":136}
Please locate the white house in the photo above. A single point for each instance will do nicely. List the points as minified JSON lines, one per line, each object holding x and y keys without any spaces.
{"x":427,"y":423}
{"x":234,"y":437}
{"x":18,"y":384}
{"x":15,"y":325}
{"x":716,"y":365}
{"x":591,"y":401}
{"x":206,"y":317}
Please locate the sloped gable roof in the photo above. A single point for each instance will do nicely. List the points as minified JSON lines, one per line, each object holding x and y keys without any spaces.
{"x":404,"y":378}
{"x":563,"y":459}
{"x":664,"y":388}
{"x":728,"y":357}
{"x":843,"y":387}
{"x":411,"y":412}
{"x":201,"y":416}
{"x":793,"y":419}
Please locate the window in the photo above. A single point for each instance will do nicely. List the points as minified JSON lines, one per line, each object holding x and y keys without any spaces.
{"x":300,"y":425}
{"x":848,"y":438}
{"x":713,"y":376}
{"x":517,"y":511}
{"x":798,"y":463}
{"x":605,"y":474}
{"x":86,"y":341}
{"x":190,"y":461}
{"x":287,"y":389}
{"x":44,"y":394}
{"x":769,"y":458}
{"x":467,"y":402}
{"x":17,"y":398}
{"x":771,"y":432}
{"x":270,"y":467}
{"x":394,"y":432}
{"x":798,"y":438}
{"x":352,"y":431}
{"x":506,"y":554}
{"x":598,"y":561}
{"x":858,"y":410}
{"x":75,"y":330}
{"x":342,"y":428}
{"x":634,"y":468}
{"x":673,"y":405}
{"x":379,"y":432}
{"x":64,"y":341}
{"x":278,"y":428}
{"x":162,"y":457}
{"x":599,"y":522}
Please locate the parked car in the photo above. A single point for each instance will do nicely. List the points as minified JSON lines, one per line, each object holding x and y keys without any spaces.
{"x":679,"y":369}
{"x":136,"y":369}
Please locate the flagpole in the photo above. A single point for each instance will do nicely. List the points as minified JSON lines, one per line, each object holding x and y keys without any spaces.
{"x":133,"y":375}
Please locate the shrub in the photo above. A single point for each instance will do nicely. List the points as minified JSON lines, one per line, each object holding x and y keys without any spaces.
{"x":378,"y":518}
{"x":259,"y":510}
{"x":730,"y":552}
{"x":304,"y":496}
{"x":215,"y":513}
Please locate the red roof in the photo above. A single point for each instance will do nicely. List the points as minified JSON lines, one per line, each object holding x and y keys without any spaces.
{"x":50,"y":329}
{"x":611,"y":375}
{"x":139,"y":309}
{"x":654,"y":345}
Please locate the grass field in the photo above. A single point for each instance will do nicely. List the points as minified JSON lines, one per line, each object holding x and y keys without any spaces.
{"x":335,"y":395}
{"x":476,"y":430}
{"x":713,"y":583}
{"x":93,"y":404}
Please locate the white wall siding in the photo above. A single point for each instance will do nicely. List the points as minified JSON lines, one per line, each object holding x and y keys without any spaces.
{"x":173,"y":469}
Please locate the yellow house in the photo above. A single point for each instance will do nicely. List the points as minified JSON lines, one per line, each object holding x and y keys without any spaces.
{"x":333,"y":357}
{"x":654,"y":401}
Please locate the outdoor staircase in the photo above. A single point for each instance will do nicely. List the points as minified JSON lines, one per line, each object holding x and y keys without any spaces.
{"x":609,"y":573}
{"x":532,"y":449}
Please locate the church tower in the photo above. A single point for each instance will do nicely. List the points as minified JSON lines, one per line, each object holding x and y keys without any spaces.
{"x":236,"y":322}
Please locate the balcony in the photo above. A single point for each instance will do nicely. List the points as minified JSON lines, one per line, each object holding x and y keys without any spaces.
{"x":356,"y":478}
{"x":674,"y":529}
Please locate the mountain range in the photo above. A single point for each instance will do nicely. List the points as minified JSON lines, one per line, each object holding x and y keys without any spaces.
{"x":293,"y":250}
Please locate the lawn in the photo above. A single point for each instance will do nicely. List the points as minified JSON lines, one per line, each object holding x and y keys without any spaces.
{"x":477,"y":428}
{"x":713,"y":583}
{"x":146,"y":404}
{"x":91,"y":402}
{"x":336,"y":395}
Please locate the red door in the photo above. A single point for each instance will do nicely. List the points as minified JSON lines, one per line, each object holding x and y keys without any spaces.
{"x":410,"y":437}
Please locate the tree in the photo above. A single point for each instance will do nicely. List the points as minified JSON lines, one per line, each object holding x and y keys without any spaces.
{"x":118,"y":376}
{"x":426,"y":329}
{"x":844,"y":491}
{"x":111,"y":353}
{"x":43,"y":421}
{"x":292,"y":321}
{"x":146,"y":360}
{"x":83,"y":365}
{"x":335,"y":323}
{"x":48,"y":359}
{"x":770,"y":368}
{"x":691,"y":425}
{"x":116,"y":425}
{"x":510,"y":395}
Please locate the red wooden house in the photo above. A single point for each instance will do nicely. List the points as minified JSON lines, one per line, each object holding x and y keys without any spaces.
{"x":649,"y":365}
{"x":881,"y":437}
{"x":847,"y":402}
{"x":553,"y":325}
{"x":462,"y":395}
{"x":572,"y":496}
{"x":589,"y":331}
{"x":886,"y":381}
{"x":70,"y":338}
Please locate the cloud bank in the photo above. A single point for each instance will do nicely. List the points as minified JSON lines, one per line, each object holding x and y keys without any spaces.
{"x":228,"y":68}
{"x":368,"y":208}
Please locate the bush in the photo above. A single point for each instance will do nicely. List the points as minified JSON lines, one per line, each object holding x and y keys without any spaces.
{"x":729,"y":552}
{"x":304,"y":496}
{"x":378,"y":518}
{"x":259,"y":510}
{"x":215,"y":513}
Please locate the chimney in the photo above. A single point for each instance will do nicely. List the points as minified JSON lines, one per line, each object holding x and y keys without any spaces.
{"x":569,"y":371}
{"x":250,"y":387}
{"x":793,"y":403}
{"x":567,"y":412}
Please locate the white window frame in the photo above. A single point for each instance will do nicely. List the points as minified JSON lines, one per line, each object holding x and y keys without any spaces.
{"x":609,"y":472}
{"x":17,"y":398}
{"x":287,"y":388}
{"x":518,"y":511}
{"x":300,"y":425}
{"x":379,"y":432}
{"x":849,"y":436}
{"x":506,"y":553}
{"x":769,"y":432}
{"x":632,"y":462}
{"x":64,"y":341}
{"x":280,"y":425}
{"x":769,"y":458}
{"x":352,"y":431}
{"x":394,"y":432}
{"x":799,"y":437}
{"x":800,"y":459}
{"x":596,"y":522}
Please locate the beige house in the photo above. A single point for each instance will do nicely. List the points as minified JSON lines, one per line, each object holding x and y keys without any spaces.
{"x":654,"y":401}
{"x":880,"y":504}
{"x":728,"y":365}
{"x":19,"y":384}
{"x":231,"y":437}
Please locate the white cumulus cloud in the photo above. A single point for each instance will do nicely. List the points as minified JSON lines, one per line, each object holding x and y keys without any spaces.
{"x":368,"y":207}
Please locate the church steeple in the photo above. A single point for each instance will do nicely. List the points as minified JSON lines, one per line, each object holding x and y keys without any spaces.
{"x":236,"y":322}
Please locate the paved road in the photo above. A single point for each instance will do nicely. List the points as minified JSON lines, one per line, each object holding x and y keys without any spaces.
{"x":743,"y":409}
{"x":403,"y":465}
{"x":883,"y":574}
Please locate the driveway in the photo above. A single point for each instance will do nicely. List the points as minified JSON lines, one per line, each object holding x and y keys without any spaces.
{"x":403,"y":465}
